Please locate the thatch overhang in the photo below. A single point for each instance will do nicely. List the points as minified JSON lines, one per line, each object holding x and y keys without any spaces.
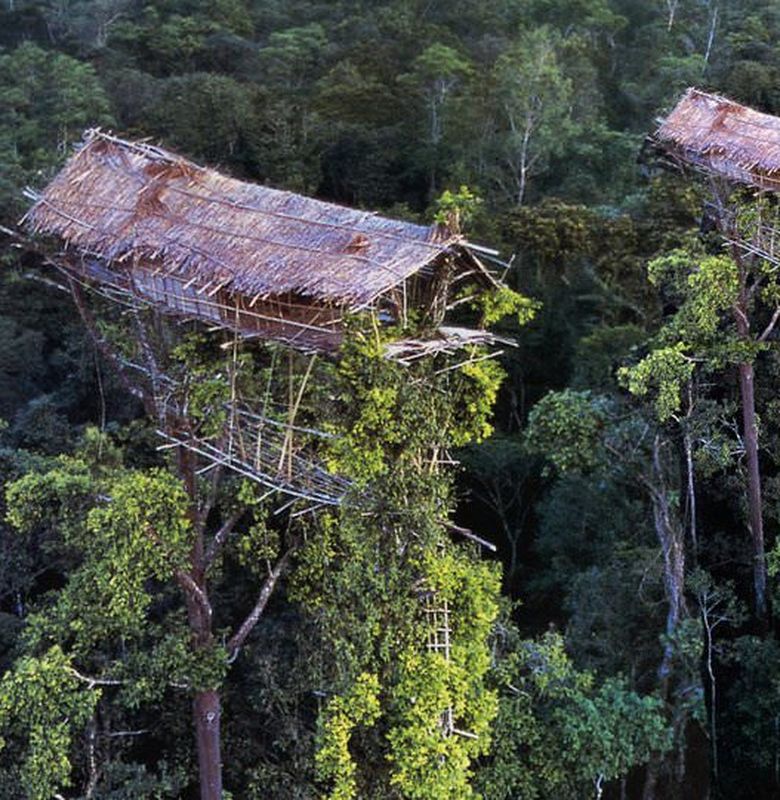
{"x":713,"y":134}
{"x":130,"y":205}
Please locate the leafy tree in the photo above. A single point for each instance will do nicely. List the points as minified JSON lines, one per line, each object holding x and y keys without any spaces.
{"x":89,"y":24}
{"x":292,"y":56}
{"x":716,"y":291}
{"x":533,"y":97}
{"x":580,"y":433}
{"x":207,"y":116}
{"x":408,"y":677}
{"x":434,"y":77}
{"x":47,"y":100}
{"x":559,"y":732}
{"x":43,"y":700}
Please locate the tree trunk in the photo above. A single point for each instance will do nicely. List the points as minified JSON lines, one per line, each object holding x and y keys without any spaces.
{"x":192,"y":580}
{"x":690,"y":475}
{"x":755,"y":513}
{"x":206,"y":706}
{"x":206,"y":715}
{"x":741,"y":311}
{"x":671,"y":537}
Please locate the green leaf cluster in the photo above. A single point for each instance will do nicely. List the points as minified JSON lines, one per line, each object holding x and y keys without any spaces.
{"x":559,"y":731}
{"x":565,"y":427}
{"x":42,"y":705}
{"x":396,"y":416}
{"x":503,"y":302}
{"x":666,"y":371}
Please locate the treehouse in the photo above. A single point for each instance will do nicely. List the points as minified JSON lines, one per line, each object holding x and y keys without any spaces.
{"x":722,"y":139}
{"x":737,"y":151}
{"x":144,"y":227}
{"x":143,"y":223}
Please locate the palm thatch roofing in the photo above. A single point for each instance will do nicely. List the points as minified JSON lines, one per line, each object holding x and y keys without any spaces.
{"x":714,"y":134}
{"x":136,"y":204}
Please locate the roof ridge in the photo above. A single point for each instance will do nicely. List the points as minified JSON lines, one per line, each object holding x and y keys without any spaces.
{"x":141,"y":147}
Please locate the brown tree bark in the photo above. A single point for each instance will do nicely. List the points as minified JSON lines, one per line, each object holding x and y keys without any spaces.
{"x":755,"y":512}
{"x":206,"y":705}
{"x":143,"y":381}
{"x":206,"y":709}
{"x":741,"y":310}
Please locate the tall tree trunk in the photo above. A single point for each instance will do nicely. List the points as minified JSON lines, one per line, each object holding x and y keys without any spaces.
{"x":206,"y":706}
{"x":206,"y":714}
{"x":741,"y":310}
{"x":690,"y":475}
{"x":671,"y":537}
{"x":755,"y":513}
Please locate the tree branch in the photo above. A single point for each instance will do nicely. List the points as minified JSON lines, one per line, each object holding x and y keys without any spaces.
{"x":92,"y":682}
{"x":187,"y":583}
{"x":152,"y":367}
{"x":220,"y":537}
{"x":140,"y":732}
{"x":211,"y":498}
{"x":266,"y":590}
{"x":738,"y":312}
{"x":771,"y":326}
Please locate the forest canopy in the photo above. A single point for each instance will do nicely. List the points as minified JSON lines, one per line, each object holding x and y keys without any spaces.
{"x":591,"y":516}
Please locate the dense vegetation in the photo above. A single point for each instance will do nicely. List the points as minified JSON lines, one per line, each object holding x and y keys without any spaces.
{"x":617,"y":646}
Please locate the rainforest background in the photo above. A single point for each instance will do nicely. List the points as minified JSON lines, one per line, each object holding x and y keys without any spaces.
{"x":617,"y":428}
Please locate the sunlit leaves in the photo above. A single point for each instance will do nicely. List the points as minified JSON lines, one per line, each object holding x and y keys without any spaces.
{"x":666,"y":370}
{"x":565,"y":427}
{"x":42,"y":706}
{"x":503,"y":302}
{"x":359,"y":706}
{"x":135,"y":529}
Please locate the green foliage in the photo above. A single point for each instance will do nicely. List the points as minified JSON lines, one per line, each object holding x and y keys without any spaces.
{"x":55,"y":498}
{"x":554,"y":232}
{"x":127,"y":534}
{"x":139,"y":532}
{"x":559,"y":732}
{"x":396,"y":416}
{"x":455,"y":209}
{"x":47,"y":99}
{"x":535,"y":96}
{"x":478,"y":390}
{"x":599,"y":354}
{"x":565,"y":428}
{"x":381,"y":105}
{"x":208,"y":117}
{"x":710,"y":328}
{"x":666,"y":370}
{"x":293,"y":54}
{"x":503,"y":302}
{"x":42,"y":705}
{"x":750,"y":709}
{"x":401,"y":726}
{"x":360,"y":706}
{"x":709,"y":286}
{"x":368,"y":570}
{"x":258,"y":547}
{"x":426,"y":764}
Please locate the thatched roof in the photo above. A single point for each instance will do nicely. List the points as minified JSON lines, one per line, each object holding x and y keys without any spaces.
{"x":716,"y":134}
{"x":131,"y":202}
